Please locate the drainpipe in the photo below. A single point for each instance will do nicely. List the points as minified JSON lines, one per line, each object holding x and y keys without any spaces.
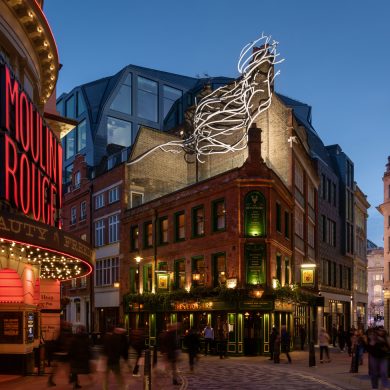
{"x":155,"y":248}
{"x":91,"y":276}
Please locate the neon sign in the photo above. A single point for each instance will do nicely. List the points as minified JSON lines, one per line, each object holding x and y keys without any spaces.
{"x":30,"y":155}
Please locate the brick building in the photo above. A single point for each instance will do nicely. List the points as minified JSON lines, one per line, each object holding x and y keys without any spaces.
{"x":234,"y":227}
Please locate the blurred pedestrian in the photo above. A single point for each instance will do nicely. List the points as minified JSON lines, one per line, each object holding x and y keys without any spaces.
{"x":79,"y":355}
{"x":277,"y":348}
{"x":285,"y":342}
{"x":378,"y":346}
{"x":137,"y":342}
{"x":208,"y":334}
{"x":341,"y":339}
{"x":357,"y":350}
{"x":222,"y":338}
{"x":60,"y":351}
{"x":114,"y":349}
{"x":272,"y":338}
{"x":334,"y":335}
{"x":192,"y":342}
{"x":302,"y":336}
{"x":323,"y":340}
{"x":348,"y":339}
{"x":169,"y":347}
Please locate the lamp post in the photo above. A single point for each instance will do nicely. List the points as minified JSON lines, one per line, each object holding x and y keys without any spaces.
{"x":138,"y":260}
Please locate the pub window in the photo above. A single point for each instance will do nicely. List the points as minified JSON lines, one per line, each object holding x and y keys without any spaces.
{"x":219,"y":269}
{"x":254,"y":214}
{"x":180,"y":274}
{"x":255,"y":260}
{"x":113,"y":195}
{"x":99,"y":201}
{"x":148,"y":278}
{"x":134,"y":235}
{"x":163,"y":230}
{"x":180,"y":226}
{"x":278,"y":217}
{"x":219,"y":215}
{"x":197,"y":221}
{"x":198,"y":271}
{"x":148,"y":234}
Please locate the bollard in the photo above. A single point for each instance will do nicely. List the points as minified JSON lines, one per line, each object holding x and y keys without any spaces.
{"x":312,"y":355}
{"x":41,"y":359}
{"x":154,"y":356}
{"x":147,"y":371}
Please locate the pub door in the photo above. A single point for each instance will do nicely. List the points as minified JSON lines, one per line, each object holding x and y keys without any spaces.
{"x":253,"y":334}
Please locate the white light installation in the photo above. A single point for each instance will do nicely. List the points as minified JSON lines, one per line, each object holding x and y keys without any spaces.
{"x":222,"y":118}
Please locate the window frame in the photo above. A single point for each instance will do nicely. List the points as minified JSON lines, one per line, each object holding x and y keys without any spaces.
{"x":113,"y":228}
{"x":216,"y":216}
{"x":178,"y":226}
{"x":195,"y":223}
{"x":112,"y":191}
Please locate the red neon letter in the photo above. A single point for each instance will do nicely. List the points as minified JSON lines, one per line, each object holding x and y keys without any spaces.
{"x":35,"y":132}
{"x":25,"y":184}
{"x":11,"y":166}
{"x":45,"y":200}
{"x":11,"y":97}
{"x":36,"y":192}
{"x":24,"y":121}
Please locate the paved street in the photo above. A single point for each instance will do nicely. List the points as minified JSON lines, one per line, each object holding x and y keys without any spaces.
{"x":233,"y":373}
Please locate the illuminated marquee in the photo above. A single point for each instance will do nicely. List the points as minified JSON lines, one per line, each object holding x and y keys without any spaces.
{"x":30,"y":155}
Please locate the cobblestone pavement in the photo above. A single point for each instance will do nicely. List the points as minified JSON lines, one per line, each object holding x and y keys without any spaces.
{"x":211,"y":373}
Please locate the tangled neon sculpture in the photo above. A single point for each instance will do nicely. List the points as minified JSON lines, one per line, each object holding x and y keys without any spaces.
{"x":222,"y":118}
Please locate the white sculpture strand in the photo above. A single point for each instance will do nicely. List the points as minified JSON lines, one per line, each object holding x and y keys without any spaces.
{"x":229,"y":111}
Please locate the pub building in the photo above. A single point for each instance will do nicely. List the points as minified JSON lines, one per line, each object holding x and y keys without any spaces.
{"x":226,"y":241}
{"x":35,"y":254}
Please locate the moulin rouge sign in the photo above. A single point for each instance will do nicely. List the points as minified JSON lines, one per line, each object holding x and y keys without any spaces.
{"x":30,"y":155}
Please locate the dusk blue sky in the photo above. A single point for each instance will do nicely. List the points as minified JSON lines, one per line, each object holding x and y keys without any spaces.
{"x":337,"y":56}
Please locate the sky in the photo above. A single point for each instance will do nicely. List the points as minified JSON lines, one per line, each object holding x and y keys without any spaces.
{"x":337,"y":59}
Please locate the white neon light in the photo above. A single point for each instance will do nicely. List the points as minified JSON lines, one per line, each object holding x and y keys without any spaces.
{"x":223,"y":117}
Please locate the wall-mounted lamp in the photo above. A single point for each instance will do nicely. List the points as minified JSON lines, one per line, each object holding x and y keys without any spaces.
{"x":231,"y":283}
{"x":116,"y":284}
{"x":196,"y":276}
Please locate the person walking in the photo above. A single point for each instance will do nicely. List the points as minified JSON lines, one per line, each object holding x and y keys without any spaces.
{"x":114,"y":349}
{"x":137,"y":342}
{"x":323,"y":340}
{"x":277,"y":348}
{"x":169,"y":347}
{"x":341,"y":339}
{"x":192,"y":342}
{"x":272,"y":338}
{"x":302,"y":336}
{"x":377,"y":345}
{"x":208,"y":334}
{"x":79,"y":355}
{"x":222,"y":335}
{"x":285,"y":342}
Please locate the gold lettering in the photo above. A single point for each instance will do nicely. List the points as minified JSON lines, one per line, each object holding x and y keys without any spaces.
{"x":13,"y":228}
{"x":3,"y":226}
{"x":42,"y":233}
{"x":29,"y":227}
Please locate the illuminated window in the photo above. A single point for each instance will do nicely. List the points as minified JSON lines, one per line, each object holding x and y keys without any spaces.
{"x":147,"y":102}
{"x":163,"y":230}
{"x":180,"y":274}
{"x":219,"y":269}
{"x":198,"y":271}
{"x":197,"y":221}
{"x":180,"y":226}
{"x":219,"y":215}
